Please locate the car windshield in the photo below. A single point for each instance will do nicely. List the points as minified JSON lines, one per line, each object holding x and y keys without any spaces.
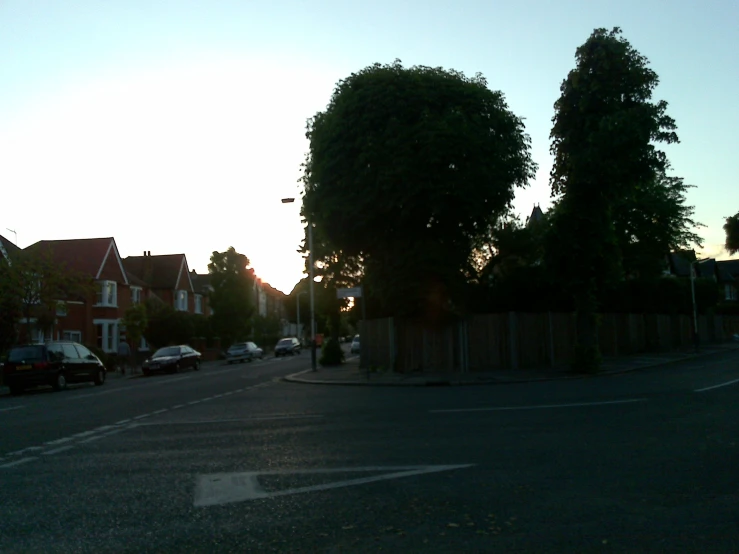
{"x":285,"y":342}
{"x":169,"y":351}
{"x":26,"y":354}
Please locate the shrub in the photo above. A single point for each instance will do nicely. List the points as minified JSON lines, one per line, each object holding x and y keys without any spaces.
{"x":331,"y":353}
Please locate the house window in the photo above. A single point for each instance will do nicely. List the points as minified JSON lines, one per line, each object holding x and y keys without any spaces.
{"x":107,"y":294}
{"x":198,"y":304}
{"x":61,"y":309}
{"x":181,"y":300}
{"x":730,"y":292}
{"x":107,"y":334}
{"x":74,"y":336}
{"x":135,"y":295}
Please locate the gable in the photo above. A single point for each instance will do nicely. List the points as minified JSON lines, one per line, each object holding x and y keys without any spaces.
{"x":184,"y":282}
{"x":111,"y":268}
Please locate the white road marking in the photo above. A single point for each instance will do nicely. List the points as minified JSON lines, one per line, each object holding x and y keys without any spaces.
{"x":141,"y":416}
{"x":229,"y":393}
{"x":726,"y":384}
{"x":541,"y":407}
{"x":91,"y":439}
{"x":57,"y":450}
{"x":19,"y":462}
{"x":85,"y":434}
{"x":223,"y":488}
{"x":234,"y":420}
{"x":11,"y":408}
{"x":59,"y":441}
{"x":121,"y":422}
{"x":218,"y":396}
{"x":178,"y":406}
{"x":160,"y":411}
{"x":194,"y":402}
{"x":206,"y":399}
{"x":104,"y":428}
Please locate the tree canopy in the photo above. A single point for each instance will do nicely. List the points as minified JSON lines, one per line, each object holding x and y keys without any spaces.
{"x":606,"y":166}
{"x":407,"y":169}
{"x":732,"y":233}
{"x":232,"y":297}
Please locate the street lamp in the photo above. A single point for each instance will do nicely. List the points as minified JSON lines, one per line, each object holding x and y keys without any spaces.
{"x":310,"y":290}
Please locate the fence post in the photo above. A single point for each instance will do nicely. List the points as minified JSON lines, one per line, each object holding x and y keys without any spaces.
{"x":512,"y":339}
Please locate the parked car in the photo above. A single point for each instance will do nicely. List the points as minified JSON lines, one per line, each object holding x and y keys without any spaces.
{"x":243,"y":352}
{"x":288,"y":346}
{"x":55,"y":363}
{"x":172,"y":359}
{"x":355,"y":345}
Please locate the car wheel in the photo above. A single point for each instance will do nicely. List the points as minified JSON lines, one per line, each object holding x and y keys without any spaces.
{"x":60,"y":382}
{"x":15,"y":390}
{"x":99,"y":377}
{"x":197,"y":365}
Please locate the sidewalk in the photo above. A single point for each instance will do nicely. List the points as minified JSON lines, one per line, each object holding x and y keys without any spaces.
{"x":350,"y":374}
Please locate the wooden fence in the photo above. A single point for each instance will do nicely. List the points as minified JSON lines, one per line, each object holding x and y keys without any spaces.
{"x":524,"y":340}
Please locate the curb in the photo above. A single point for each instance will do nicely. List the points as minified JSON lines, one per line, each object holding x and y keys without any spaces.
{"x":294,"y":378}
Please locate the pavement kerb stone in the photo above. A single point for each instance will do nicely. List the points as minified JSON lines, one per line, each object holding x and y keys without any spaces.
{"x":295,"y":377}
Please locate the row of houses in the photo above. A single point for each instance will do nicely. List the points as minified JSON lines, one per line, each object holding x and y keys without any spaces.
{"x":123,"y":282}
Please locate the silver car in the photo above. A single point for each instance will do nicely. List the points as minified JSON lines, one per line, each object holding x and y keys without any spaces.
{"x":355,"y":345}
{"x":243,"y":352}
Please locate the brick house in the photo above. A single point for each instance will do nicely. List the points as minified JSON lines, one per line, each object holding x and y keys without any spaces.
{"x":7,"y":249}
{"x":203,"y":289}
{"x":268,"y":301}
{"x":95,"y":320}
{"x":169,"y":279}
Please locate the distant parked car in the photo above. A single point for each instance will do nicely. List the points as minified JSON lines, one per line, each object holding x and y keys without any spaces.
{"x":289,"y":346}
{"x":355,"y":345}
{"x":55,"y":363}
{"x":243,"y":352}
{"x":172,"y":359}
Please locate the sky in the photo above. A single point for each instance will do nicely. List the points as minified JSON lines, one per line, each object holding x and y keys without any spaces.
{"x":177,"y":126}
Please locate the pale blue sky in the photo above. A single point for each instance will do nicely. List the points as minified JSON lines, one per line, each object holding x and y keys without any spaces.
{"x":177,"y":126}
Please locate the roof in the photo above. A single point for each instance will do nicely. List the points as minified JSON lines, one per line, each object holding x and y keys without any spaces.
{"x":680,"y":262}
{"x":86,"y":256}
{"x":7,"y":248}
{"x":159,"y":272}
{"x":729,"y":266}
{"x":536,"y":215}
{"x":200,"y":282}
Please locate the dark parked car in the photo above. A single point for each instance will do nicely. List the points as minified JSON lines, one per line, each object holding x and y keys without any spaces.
{"x":55,"y":363}
{"x":244,"y":352}
{"x":289,"y":346}
{"x":172,"y":359}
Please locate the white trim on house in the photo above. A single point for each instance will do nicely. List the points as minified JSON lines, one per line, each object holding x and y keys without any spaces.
{"x":104,"y":291}
{"x":136,"y":298}
{"x":114,"y":248}
{"x":110,"y":333}
{"x":183,"y":265}
{"x":198,"y":306}
{"x":5,"y":253}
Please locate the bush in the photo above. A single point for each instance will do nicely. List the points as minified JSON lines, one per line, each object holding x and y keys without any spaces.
{"x":107,"y":359}
{"x":331,"y":353}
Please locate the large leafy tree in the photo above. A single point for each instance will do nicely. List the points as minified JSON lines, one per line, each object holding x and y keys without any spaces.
{"x":603,"y":140}
{"x":407,"y":169}
{"x":732,"y":233}
{"x":232,"y":298}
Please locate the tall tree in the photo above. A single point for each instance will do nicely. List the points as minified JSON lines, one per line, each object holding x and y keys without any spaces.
{"x":407,"y":168}
{"x":732,"y":233}
{"x":603,"y":140}
{"x":232,"y":298}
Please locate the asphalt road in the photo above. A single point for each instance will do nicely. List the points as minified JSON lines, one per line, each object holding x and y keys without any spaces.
{"x":230,"y":459}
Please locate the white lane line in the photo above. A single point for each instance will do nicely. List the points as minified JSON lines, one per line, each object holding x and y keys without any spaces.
{"x":19,"y":462}
{"x":11,"y":408}
{"x":235,"y":420}
{"x":160,"y":411}
{"x":178,"y":406}
{"x":91,"y":439}
{"x":104,"y":428}
{"x":23,"y":451}
{"x":121,"y":422}
{"x":218,"y":396}
{"x":194,"y":402}
{"x":229,"y":393}
{"x":59,"y":441}
{"x":206,"y":399}
{"x":541,"y":407}
{"x":726,"y":384}
{"x":141,"y":416}
{"x":85,"y":434}
{"x":57,"y":450}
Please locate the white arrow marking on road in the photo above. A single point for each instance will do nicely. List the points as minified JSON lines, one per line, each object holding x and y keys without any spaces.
{"x":224,"y":488}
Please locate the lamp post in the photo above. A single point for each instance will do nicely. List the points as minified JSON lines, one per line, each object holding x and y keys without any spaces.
{"x":311,"y":276}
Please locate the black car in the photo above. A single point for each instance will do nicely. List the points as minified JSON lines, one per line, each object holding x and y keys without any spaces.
{"x":172,"y":359}
{"x":54,"y":363}
{"x":288,"y":346}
